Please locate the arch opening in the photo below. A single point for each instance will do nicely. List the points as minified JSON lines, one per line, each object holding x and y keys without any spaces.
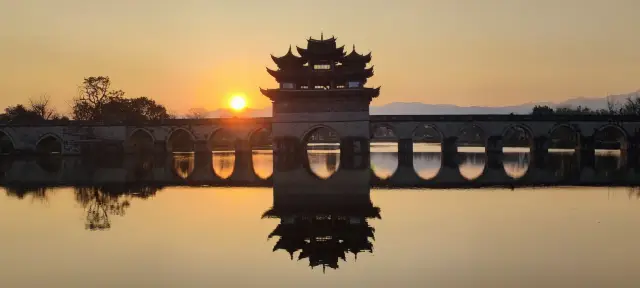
{"x":384,"y":151}
{"x":563,"y":139}
{"x":6,"y":144}
{"x":610,"y":144}
{"x":49,"y":145}
{"x":223,"y":152}
{"x":516,"y":147}
{"x":427,"y":151}
{"x":181,"y":141}
{"x":610,"y":138}
{"x":471,"y":145}
{"x":322,"y":146}
{"x":262,"y":153}
{"x":141,"y":142}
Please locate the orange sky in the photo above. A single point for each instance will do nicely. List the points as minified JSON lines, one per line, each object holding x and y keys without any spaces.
{"x":192,"y":53}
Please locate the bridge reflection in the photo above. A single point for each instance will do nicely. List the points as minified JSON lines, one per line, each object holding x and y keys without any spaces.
{"x":426,"y":167}
{"x":323,"y":222}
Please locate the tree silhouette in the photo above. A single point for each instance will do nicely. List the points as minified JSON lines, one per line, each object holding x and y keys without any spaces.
{"x":98,"y":102}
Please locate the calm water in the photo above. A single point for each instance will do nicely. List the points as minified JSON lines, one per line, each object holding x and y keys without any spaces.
{"x":206,"y":237}
{"x":241,"y":237}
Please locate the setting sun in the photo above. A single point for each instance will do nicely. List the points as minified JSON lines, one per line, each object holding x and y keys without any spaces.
{"x":238,"y":102}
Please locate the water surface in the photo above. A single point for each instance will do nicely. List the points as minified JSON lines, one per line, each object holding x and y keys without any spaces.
{"x":204,"y":237}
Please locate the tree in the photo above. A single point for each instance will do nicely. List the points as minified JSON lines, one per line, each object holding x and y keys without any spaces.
{"x":133,"y":110}
{"x":542,"y":110}
{"x":94,"y":93}
{"x":20,"y":114}
{"x":631,"y":106}
{"x":98,"y":102}
{"x":43,"y":108}
{"x":197,"y":113}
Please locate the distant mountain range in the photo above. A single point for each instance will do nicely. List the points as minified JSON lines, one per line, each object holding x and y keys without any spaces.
{"x":418,"y":108}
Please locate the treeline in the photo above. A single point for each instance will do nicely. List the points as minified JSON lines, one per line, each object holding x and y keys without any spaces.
{"x":631,"y":106}
{"x":96,"y":101}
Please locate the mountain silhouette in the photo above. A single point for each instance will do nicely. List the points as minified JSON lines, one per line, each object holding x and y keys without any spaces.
{"x":418,"y":108}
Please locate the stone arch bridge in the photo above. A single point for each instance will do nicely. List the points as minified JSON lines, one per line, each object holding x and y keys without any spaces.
{"x":582,"y":133}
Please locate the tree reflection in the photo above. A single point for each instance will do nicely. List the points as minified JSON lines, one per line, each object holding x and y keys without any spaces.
{"x":99,"y":202}
{"x":102,"y":202}
{"x":23,"y":192}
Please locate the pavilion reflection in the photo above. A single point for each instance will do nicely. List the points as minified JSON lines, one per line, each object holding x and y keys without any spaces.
{"x":325,"y":229}
{"x":323,"y":221}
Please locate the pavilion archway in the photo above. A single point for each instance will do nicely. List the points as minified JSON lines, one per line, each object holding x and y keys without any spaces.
{"x":322,"y":147}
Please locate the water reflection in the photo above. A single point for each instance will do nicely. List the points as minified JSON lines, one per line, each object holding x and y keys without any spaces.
{"x":516,"y":163}
{"x":262,"y":163}
{"x":323,"y":223}
{"x":183,"y":164}
{"x":324,"y":159}
{"x":322,"y":146}
{"x":609,"y":162}
{"x":223,"y":163}
{"x":384,"y":159}
{"x":427,"y":159}
{"x":565,"y":164}
{"x":99,"y":203}
{"x":610,"y":167}
{"x":472,"y":162}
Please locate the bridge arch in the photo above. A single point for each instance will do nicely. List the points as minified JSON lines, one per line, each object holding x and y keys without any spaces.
{"x":180,"y":140}
{"x":607,"y":135}
{"x":7,"y":145}
{"x":424,"y":131}
{"x":471,"y":134}
{"x":522,"y":133}
{"x":140,"y":140}
{"x":257,"y":136}
{"x":564,"y":137}
{"x":382,"y":129}
{"x":322,"y":147}
{"x":221,"y":139}
{"x":49,"y":143}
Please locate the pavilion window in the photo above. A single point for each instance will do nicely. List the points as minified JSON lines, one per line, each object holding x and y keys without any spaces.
{"x":322,"y":67}
{"x":287,"y":85}
{"x":354,"y":84}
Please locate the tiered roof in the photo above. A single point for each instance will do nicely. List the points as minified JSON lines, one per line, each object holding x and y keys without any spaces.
{"x":322,"y":64}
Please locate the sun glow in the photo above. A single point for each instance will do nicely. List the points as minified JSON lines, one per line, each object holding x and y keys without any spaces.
{"x":238,"y":102}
